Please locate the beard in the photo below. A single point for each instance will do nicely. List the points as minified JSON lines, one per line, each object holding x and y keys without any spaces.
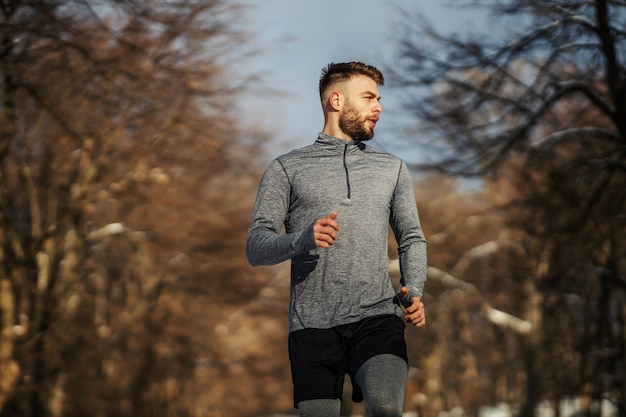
{"x":353,"y":125}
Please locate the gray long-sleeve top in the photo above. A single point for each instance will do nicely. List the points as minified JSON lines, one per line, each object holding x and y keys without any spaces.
{"x":370,"y":190}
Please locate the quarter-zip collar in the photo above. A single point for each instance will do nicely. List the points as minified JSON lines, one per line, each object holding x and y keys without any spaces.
{"x":332,"y":143}
{"x":340,"y":147}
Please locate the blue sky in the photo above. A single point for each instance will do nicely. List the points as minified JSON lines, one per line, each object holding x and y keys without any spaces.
{"x":297,"y":38}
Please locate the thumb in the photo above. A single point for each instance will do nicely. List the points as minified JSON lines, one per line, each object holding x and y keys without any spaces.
{"x":332,"y":215}
{"x":402,"y":297}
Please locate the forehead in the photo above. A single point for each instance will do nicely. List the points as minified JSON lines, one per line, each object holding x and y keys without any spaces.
{"x":359,"y":84}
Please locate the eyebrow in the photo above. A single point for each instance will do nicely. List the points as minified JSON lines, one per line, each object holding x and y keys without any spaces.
{"x":370,"y":93}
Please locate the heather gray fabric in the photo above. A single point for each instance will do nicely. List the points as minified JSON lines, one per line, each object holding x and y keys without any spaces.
{"x":383,"y":382}
{"x":320,"y":408}
{"x":370,"y":190}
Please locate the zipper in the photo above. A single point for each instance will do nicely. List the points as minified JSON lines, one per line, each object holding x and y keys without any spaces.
{"x":345,"y":167}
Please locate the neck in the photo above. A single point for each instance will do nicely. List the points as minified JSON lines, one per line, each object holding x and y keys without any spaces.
{"x":333,"y":130}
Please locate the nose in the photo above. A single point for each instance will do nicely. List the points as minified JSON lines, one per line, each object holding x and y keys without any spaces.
{"x":378,"y":108}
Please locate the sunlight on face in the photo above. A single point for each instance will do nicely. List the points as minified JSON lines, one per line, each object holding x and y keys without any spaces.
{"x":361,"y":108}
{"x":353,"y":124}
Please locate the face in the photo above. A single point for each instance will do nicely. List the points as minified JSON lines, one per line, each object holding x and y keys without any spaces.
{"x":361,"y":109}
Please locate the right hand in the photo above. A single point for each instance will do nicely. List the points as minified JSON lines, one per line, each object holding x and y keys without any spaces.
{"x":413,"y":313}
{"x":325,"y":230}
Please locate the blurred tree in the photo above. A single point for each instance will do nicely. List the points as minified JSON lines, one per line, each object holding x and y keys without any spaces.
{"x":537,"y":110}
{"x":122,"y":205}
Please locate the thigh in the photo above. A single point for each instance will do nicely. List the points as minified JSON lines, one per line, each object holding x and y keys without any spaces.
{"x":318,"y":364}
{"x":381,"y":335}
{"x":382,"y":380}
{"x":376,"y":336}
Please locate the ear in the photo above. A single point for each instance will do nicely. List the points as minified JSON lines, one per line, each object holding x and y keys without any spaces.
{"x":335,"y":100}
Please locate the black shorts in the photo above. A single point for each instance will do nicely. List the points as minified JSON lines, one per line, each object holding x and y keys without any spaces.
{"x":320,"y":358}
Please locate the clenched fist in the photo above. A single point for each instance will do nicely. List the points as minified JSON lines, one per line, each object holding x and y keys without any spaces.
{"x":325,"y":230}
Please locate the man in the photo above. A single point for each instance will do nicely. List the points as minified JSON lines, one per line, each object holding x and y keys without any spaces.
{"x":336,"y":199}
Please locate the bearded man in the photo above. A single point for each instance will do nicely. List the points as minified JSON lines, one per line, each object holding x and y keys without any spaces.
{"x":336,"y":199}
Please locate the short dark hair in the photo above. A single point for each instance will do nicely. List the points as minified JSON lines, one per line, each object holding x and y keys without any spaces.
{"x":335,"y":72}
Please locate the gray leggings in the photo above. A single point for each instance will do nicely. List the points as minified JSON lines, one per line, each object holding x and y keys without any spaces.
{"x":383,"y":382}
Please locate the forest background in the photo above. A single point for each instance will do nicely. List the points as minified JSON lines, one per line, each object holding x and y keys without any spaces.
{"x":127,"y":179}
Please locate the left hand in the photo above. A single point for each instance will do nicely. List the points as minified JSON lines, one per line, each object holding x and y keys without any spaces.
{"x":415,"y":313}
